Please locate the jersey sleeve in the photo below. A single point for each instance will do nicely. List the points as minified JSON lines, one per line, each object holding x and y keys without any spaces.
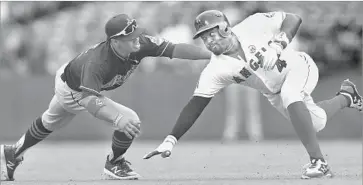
{"x":157,"y":47}
{"x":270,"y":21}
{"x":211,"y":81}
{"x":91,"y":78}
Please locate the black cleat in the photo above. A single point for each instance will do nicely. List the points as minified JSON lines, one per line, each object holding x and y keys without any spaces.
{"x":8,"y":162}
{"x":349,"y":90}
{"x":119,"y":170}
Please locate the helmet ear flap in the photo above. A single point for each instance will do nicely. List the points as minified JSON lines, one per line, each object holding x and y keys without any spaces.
{"x":224,"y":29}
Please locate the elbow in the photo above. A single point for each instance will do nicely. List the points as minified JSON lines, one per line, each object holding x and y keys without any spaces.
{"x":291,"y":25}
{"x":297,"y":19}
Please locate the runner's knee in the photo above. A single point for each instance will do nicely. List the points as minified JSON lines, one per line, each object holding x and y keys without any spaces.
{"x":291,"y":95}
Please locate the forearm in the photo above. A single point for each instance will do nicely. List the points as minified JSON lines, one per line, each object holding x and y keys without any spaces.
{"x":290,"y":25}
{"x":189,"y":115}
{"x":191,"y":52}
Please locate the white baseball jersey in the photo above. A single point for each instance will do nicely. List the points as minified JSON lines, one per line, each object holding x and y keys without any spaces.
{"x":253,"y":33}
{"x":293,"y":78}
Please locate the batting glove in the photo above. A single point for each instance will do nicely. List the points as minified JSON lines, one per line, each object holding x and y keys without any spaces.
{"x":164,"y":149}
{"x":276,"y":45}
{"x":270,"y":57}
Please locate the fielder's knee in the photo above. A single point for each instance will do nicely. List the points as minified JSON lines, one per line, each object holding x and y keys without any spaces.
{"x":128,"y":114}
{"x":133,"y":115}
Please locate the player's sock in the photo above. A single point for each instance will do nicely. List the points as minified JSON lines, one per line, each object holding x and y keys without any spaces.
{"x":301,"y":120}
{"x":120,"y":144}
{"x":36,"y":133}
{"x":334,"y":105}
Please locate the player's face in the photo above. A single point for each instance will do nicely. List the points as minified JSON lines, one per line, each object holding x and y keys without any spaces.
{"x":214,"y":41}
{"x":128,"y":46}
{"x":132,"y":45}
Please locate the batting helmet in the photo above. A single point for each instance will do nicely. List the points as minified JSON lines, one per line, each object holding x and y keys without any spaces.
{"x":210,"y":19}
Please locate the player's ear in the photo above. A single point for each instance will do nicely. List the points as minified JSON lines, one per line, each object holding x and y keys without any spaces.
{"x":228,"y":30}
{"x":224,"y":29}
{"x":114,"y":42}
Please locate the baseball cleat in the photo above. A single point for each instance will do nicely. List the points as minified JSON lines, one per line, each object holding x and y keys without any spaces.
{"x":119,"y":170}
{"x":8,"y":162}
{"x":316,"y":169}
{"x":349,"y":90}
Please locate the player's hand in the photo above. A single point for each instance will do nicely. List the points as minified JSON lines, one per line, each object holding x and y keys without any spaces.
{"x":131,"y":128}
{"x":270,"y":57}
{"x":164,"y":149}
{"x":276,"y":45}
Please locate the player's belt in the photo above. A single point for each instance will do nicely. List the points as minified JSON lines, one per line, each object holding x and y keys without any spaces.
{"x":64,"y":79}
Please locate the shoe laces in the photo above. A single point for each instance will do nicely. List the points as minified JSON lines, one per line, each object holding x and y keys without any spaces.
{"x":124,"y":165}
{"x":313,"y":163}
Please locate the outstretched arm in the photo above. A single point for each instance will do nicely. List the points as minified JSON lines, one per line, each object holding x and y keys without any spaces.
{"x":186,"y":119}
{"x":191,"y":52}
{"x":211,"y":81}
{"x":189,"y":115}
{"x":159,"y":47}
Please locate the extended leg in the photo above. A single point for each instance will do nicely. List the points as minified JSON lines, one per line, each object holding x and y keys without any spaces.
{"x":12,"y":155}
{"x":305,"y":116}
{"x":348,"y":96}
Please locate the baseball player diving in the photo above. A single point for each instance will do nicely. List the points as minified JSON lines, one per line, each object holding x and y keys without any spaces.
{"x":254,"y":53}
{"x":78,"y":84}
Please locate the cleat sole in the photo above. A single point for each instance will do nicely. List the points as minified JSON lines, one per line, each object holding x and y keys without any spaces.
{"x":328,"y":174}
{"x":107,"y":175}
{"x":4,"y":171}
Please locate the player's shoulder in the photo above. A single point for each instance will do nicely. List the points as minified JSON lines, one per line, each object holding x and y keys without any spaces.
{"x":264,"y":15}
{"x":216,"y":66}
{"x":98,"y":55}
{"x":248,"y":23}
{"x":257,"y":20}
{"x":260,"y":16}
{"x":94,"y":52}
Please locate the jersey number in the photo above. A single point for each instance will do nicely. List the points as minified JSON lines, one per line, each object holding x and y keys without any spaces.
{"x":256,"y":64}
{"x":280,"y":64}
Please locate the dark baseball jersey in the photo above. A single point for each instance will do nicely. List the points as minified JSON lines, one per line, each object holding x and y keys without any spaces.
{"x":100,"y":68}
